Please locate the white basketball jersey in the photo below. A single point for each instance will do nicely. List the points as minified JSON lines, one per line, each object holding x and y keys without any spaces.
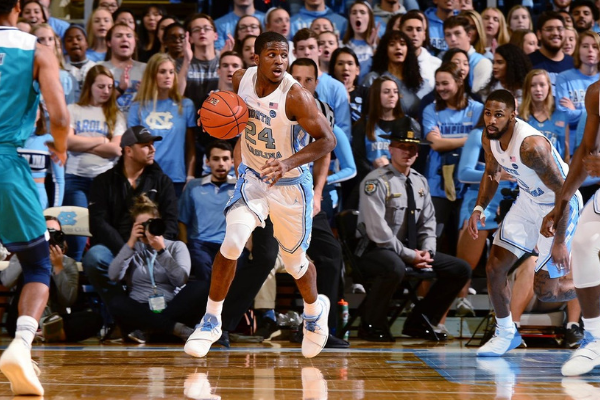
{"x":528,"y":180}
{"x":269,"y":133}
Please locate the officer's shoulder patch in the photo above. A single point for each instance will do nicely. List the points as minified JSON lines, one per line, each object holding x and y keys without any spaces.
{"x":371,"y":186}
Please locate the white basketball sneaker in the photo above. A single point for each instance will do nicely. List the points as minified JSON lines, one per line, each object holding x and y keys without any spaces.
{"x":584,"y":359}
{"x":20,"y":370}
{"x":316,"y":331}
{"x":502,"y":341}
{"x":207,"y":332}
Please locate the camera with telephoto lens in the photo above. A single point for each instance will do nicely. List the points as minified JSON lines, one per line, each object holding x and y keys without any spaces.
{"x":57,"y":238}
{"x":156,"y":226}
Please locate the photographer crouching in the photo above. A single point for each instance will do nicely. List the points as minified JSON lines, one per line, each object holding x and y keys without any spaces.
{"x":161,"y":302}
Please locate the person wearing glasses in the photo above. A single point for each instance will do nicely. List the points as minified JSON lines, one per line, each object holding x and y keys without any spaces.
{"x":550,"y":56}
{"x":201,"y":74}
{"x":228,"y":22}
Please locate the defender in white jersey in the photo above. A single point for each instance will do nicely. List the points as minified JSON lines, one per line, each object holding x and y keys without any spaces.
{"x":526,"y":154}
{"x":586,"y":242}
{"x":273,"y":181}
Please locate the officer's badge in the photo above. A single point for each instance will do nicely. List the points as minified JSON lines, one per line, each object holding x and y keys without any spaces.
{"x":421,"y":192}
{"x":371,"y":186}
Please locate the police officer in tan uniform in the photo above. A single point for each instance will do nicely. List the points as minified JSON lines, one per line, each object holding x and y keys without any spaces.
{"x":397,"y":222}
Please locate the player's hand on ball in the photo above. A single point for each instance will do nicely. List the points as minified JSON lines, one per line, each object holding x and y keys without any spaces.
{"x":273,"y":170}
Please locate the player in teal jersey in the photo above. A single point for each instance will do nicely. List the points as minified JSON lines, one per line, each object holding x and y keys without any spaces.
{"x":26,"y":68}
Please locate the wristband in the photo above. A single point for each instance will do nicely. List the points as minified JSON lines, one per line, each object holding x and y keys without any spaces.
{"x":480,"y":209}
{"x":121,"y":91}
{"x":161,"y":251}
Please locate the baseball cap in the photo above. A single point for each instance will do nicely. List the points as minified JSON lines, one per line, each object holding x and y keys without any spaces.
{"x":138,"y":134}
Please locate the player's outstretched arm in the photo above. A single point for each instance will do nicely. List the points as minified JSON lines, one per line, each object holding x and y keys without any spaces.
{"x":487,"y":187}
{"x":46,"y":73}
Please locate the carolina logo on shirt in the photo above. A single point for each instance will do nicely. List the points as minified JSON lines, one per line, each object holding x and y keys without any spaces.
{"x":159,"y":120}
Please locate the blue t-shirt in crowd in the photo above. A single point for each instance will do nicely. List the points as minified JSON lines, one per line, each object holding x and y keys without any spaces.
{"x":304,"y":18}
{"x":573,"y":85}
{"x":226,"y":25}
{"x":95,"y":56}
{"x":540,"y":61}
{"x":554,"y":129}
{"x":201,"y":208}
{"x":166,"y":121}
{"x":436,"y":29}
{"x":364,"y":52}
{"x":454,"y":124}
{"x":333,"y":92}
{"x":379,"y":147}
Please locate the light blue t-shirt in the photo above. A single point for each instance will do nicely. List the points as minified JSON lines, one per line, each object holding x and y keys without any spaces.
{"x":304,"y":18}
{"x":453,"y":124}
{"x":166,"y":121}
{"x":95,"y":56}
{"x":201,"y":208}
{"x":379,"y":147}
{"x":436,"y":29}
{"x":226,"y":25}
{"x":554,"y":129}
{"x":573,"y":85}
{"x":333,"y":92}
{"x":364,"y":52}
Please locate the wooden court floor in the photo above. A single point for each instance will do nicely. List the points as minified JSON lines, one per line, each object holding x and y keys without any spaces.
{"x":407,"y":369}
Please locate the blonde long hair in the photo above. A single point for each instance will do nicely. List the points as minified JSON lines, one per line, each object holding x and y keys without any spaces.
{"x":475,"y":17}
{"x":90,"y":32}
{"x":148,"y":91}
{"x":57,"y":47}
{"x":526,"y":107}
{"x":502,"y":37}
{"x":109,"y":108}
{"x":510,"y":13}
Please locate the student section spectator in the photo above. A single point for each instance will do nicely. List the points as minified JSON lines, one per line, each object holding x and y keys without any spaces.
{"x":93,"y":142}
{"x":159,"y":107}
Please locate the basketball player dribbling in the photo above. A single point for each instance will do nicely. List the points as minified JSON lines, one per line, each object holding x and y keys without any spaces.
{"x":273,"y":181}
{"x":586,"y":241}
{"x":23,"y":228}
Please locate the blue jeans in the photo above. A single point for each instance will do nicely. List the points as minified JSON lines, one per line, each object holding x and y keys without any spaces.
{"x":77,"y":189}
{"x":202,"y":254}
{"x":95,"y":266}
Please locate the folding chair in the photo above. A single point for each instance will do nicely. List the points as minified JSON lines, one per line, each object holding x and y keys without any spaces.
{"x":347,"y":222}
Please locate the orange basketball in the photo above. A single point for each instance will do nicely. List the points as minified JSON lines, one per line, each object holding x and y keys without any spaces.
{"x":224,"y":115}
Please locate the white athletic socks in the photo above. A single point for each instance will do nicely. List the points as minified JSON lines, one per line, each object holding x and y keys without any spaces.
{"x":592,"y":325}
{"x":312,"y":310}
{"x":26,"y":328}
{"x":214,"y":307}
{"x":506,"y":323}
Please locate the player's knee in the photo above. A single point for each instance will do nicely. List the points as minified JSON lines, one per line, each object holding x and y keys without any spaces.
{"x":35,"y":262}
{"x":236,"y":237}
{"x":296,"y":264}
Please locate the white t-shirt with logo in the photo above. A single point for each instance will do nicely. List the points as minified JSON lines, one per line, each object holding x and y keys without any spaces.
{"x":89,"y":121}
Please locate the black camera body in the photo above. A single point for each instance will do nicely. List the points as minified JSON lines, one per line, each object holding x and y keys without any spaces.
{"x":57,"y":238}
{"x":156,"y":226}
